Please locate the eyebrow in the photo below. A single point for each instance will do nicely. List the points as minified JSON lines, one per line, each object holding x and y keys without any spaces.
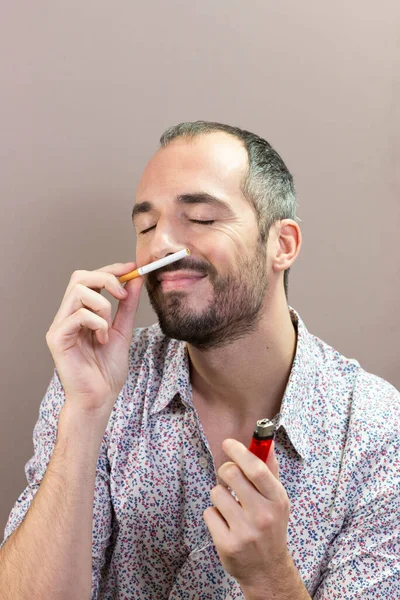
{"x":141,"y":208}
{"x":188,"y":199}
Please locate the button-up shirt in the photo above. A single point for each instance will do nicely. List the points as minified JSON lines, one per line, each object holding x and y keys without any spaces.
{"x":337,"y":445}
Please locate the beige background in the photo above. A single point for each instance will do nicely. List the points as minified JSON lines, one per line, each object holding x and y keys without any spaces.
{"x":87,"y":87}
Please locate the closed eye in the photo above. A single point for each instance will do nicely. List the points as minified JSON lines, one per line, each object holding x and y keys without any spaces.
{"x":210,"y":222}
{"x":146,"y":230}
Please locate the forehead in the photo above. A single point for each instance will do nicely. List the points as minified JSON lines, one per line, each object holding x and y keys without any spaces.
{"x":214,"y":163}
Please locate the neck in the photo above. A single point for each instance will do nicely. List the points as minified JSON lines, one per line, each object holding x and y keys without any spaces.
{"x":247,"y":378}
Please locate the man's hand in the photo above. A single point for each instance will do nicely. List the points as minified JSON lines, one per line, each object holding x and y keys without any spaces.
{"x":89,"y":348}
{"x":250,"y":534}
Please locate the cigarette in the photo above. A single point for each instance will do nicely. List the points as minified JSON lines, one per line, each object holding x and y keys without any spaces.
{"x":157,"y":264}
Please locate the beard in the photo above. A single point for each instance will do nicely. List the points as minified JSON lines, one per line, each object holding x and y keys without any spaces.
{"x":233,"y":311}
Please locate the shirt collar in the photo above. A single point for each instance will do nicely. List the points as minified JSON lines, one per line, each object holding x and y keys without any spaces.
{"x":175,"y":376}
{"x":296,"y":410}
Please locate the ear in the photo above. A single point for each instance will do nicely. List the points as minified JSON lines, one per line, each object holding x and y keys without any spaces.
{"x":287,"y":244}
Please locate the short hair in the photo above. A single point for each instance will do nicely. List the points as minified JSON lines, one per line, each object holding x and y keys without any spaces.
{"x":268,"y":184}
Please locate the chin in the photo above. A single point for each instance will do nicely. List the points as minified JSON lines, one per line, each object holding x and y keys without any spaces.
{"x":187,"y":303}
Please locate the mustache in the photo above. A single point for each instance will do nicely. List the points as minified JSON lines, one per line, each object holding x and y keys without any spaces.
{"x":191,"y":264}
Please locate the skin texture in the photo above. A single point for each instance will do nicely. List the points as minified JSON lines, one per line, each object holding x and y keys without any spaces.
{"x":240,"y":360}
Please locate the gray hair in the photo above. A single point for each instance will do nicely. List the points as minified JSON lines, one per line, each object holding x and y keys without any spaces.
{"x":268,"y":184}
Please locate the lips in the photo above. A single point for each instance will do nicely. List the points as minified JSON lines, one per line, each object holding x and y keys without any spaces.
{"x":179,"y":275}
{"x":179,"y":280}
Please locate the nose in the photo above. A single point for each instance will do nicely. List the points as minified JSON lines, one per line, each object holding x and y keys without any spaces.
{"x":166,"y":239}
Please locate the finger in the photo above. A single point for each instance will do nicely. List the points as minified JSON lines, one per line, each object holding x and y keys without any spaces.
{"x":94,"y":280}
{"x":254,"y":469}
{"x":66,"y":334}
{"x":216,"y":524}
{"x":227,"y":506}
{"x":82,"y":296}
{"x":117,"y":269}
{"x":247,"y":494}
{"x":124,"y":320}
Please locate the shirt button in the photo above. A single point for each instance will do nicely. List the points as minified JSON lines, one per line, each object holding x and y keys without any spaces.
{"x":203,"y":462}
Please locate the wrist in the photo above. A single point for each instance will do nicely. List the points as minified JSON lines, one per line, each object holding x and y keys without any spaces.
{"x":77,"y":429}
{"x":282,"y":581}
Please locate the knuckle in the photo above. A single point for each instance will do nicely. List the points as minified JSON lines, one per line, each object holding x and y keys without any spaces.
{"x":260,"y":473}
{"x":218,"y":493}
{"x":51,"y":339}
{"x":214,"y":493}
{"x":235,"y":548}
{"x":89,"y":318}
{"x":284,"y":506}
{"x":220,"y":471}
{"x":102,"y":304}
{"x":231,"y":471}
{"x":109,"y":281}
{"x":115,"y":281}
{"x":77,"y":276}
{"x":82,"y":313}
{"x":263,"y":521}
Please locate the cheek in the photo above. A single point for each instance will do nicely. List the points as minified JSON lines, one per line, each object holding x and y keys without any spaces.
{"x":227,"y":244}
{"x":143,"y":256}
{"x":217,"y":247}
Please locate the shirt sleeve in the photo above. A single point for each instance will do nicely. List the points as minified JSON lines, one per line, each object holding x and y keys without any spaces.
{"x":44,"y":439}
{"x":364,"y":559}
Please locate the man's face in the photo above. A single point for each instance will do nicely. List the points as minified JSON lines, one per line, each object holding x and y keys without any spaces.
{"x":190,"y":197}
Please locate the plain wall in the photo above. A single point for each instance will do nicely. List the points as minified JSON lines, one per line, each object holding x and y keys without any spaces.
{"x":88,"y":87}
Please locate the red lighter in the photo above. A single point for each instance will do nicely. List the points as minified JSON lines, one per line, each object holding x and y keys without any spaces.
{"x":262,"y":438}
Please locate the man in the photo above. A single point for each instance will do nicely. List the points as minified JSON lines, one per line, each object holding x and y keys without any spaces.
{"x":139,"y":440}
